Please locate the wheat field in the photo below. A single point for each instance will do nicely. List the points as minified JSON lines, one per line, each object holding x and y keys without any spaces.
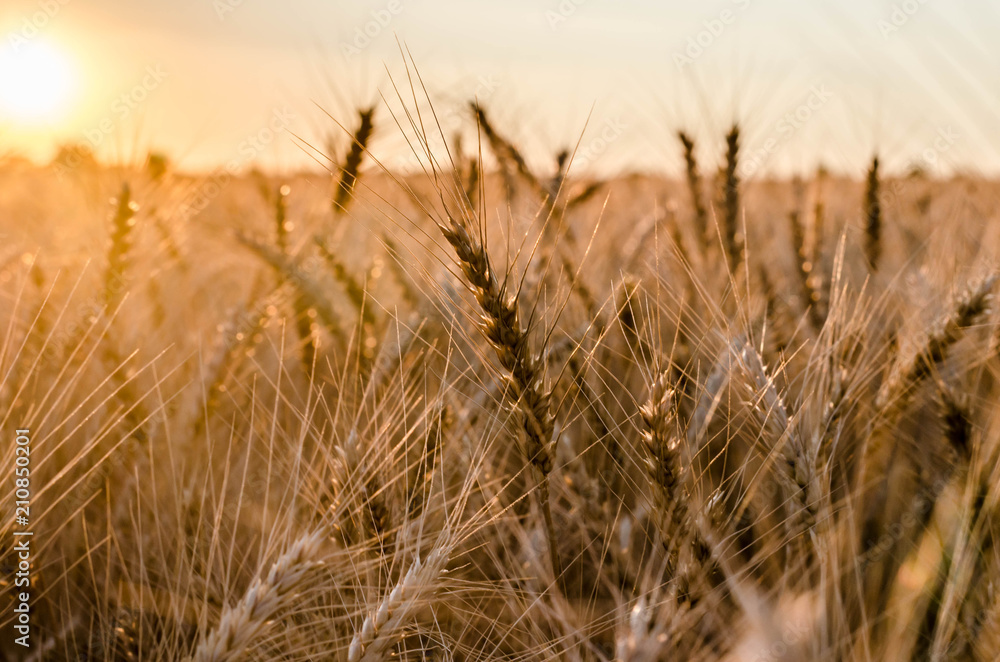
{"x":492,"y":409}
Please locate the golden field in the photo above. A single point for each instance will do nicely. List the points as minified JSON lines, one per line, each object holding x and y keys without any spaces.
{"x":499,"y":410}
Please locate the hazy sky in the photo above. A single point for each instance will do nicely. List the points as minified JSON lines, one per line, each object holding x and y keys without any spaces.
{"x":810,"y":81}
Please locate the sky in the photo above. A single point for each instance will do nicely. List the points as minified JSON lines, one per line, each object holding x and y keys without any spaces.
{"x":252,"y":82}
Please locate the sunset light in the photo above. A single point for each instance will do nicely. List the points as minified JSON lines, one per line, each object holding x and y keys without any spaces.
{"x":37,"y":83}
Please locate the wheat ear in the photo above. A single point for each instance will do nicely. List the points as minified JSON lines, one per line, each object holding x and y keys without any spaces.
{"x":310,"y":292}
{"x":303,"y":318}
{"x":281,"y":223}
{"x":502,"y":326}
{"x":357,"y":292}
{"x":585,"y":194}
{"x":971,"y":306}
{"x":354,"y":289}
{"x":309,"y":300}
{"x":266,"y":597}
{"x":694,"y":183}
{"x":683,"y":530}
{"x":873,"y":216}
{"x":120,"y":242}
{"x":797,"y":460}
{"x":810,"y":296}
{"x":817,"y":283}
{"x":663,"y":465}
{"x":956,"y":418}
{"x":352,"y":163}
{"x":505,"y":150}
{"x":381,"y":627}
{"x":731,"y":199}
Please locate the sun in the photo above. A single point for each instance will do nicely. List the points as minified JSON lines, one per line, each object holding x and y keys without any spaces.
{"x":37,"y":83}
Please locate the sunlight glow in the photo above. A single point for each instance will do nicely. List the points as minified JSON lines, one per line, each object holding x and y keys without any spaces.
{"x":37,"y":83}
